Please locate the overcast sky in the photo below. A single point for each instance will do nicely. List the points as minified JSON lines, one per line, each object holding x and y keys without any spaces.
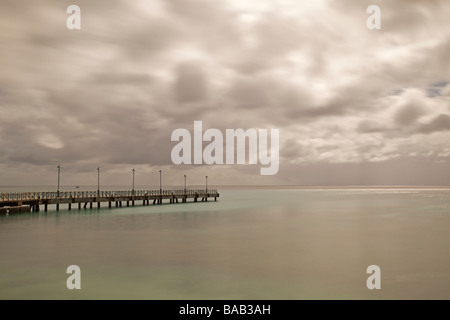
{"x":354,"y":106}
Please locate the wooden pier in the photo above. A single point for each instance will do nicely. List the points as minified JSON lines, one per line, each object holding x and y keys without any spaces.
{"x":32,"y":201}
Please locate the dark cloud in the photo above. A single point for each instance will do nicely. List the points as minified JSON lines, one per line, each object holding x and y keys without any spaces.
{"x":130,"y":79}
{"x":408,"y":114}
{"x":252,"y":92}
{"x":111,"y":93}
{"x":368,"y":126}
{"x":191,"y":83}
{"x":440,"y":123}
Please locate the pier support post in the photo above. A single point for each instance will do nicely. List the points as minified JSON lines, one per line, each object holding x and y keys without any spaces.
{"x":69,"y":206}
{"x":45,"y":207}
{"x":98,"y":205}
{"x":90,"y":205}
{"x":57,"y":207}
{"x":79,"y":205}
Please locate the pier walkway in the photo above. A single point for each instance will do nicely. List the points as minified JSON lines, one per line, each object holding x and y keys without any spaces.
{"x":32,"y":201}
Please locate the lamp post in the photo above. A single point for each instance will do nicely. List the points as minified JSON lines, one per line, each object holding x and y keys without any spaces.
{"x":59,"y":170}
{"x":206,"y":184}
{"x":134,"y":170}
{"x":160,"y":185}
{"x":98,"y":181}
{"x":184,"y":184}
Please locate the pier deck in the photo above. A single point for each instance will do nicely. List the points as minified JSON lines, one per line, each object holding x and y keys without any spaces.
{"x":83,"y":199}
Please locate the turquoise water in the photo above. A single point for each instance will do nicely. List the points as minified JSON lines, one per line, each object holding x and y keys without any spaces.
{"x":252,"y":244}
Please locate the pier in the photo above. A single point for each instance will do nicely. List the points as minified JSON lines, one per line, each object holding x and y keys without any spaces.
{"x":32,"y":201}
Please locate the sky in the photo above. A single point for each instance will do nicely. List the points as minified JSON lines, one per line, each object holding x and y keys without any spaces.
{"x":353,"y":106}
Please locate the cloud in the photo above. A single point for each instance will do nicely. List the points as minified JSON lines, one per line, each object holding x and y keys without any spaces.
{"x":111,"y":93}
{"x":408,"y":114}
{"x":440,"y":123}
{"x":190,"y":85}
{"x":368,"y":126}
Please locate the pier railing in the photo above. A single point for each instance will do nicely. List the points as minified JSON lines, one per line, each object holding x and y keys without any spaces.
{"x":101,"y":194}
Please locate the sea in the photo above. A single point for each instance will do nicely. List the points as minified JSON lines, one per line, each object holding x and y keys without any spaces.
{"x":291,"y":243}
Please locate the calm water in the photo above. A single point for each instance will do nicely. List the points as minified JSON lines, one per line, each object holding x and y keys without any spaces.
{"x":252,"y":244}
